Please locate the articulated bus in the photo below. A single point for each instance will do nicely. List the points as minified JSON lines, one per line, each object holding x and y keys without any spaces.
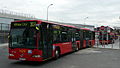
{"x":36,"y":40}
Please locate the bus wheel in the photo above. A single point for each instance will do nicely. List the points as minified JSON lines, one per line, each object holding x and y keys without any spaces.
{"x":57,"y":54}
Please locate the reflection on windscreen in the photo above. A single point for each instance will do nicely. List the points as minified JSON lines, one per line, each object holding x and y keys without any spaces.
{"x":22,"y":38}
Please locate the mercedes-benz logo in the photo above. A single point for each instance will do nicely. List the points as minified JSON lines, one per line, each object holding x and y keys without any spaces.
{"x":21,"y":55}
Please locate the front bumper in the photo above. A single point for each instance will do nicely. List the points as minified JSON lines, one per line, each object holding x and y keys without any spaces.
{"x":26,"y":59}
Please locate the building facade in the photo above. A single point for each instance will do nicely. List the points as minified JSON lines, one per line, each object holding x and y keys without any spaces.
{"x":6,"y":17}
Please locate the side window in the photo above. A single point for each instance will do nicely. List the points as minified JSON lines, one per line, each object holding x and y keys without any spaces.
{"x":56,"y":36}
{"x":56,"y":33}
{"x":64,"y":37}
{"x":77,"y":36}
{"x":65,"y":34}
{"x":88,"y":35}
{"x":84,"y":34}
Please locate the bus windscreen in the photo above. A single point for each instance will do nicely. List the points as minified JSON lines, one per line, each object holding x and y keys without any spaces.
{"x":22,"y":35}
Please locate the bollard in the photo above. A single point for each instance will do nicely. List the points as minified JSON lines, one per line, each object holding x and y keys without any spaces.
{"x":112,"y":44}
{"x":104,"y":44}
{"x":97,"y":43}
{"x":119,"y":41}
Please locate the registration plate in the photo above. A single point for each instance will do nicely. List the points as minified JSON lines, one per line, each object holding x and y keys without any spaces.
{"x":22,"y":59}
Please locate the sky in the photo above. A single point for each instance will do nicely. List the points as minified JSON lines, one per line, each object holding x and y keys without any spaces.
{"x":90,"y":12}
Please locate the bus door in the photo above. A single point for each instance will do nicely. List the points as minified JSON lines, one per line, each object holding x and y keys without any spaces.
{"x":87,"y":35}
{"x":87,"y":42}
{"x":47,"y":40}
{"x":73,"y":42}
{"x":81,"y":38}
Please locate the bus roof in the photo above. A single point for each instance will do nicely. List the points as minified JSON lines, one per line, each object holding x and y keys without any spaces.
{"x":47,"y":22}
{"x":85,"y":29}
{"x":25,"y":20}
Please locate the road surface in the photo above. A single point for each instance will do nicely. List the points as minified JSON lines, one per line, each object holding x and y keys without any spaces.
{"x":85,"y":58}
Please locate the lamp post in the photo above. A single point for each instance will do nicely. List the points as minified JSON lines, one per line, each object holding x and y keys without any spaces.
{"x":85,"y":20}
{"x":47,"y":10}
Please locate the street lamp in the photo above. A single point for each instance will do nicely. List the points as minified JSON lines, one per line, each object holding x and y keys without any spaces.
{"x":47,"y":10}
{"x":85,"y":20}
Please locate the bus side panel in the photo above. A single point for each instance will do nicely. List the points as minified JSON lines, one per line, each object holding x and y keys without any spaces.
{"x":64,"y":47}
{"x":84,"y":44}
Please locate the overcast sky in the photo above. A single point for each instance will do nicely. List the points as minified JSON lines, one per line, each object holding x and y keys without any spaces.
{"x":99,"y":12}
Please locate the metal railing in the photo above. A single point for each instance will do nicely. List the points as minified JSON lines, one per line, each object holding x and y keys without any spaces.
{"x":4,"y":31}
{"x":113,"y":45}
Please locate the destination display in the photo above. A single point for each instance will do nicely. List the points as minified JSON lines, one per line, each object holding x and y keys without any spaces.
{"x":56,"y":26}
{"x":23,"y":24}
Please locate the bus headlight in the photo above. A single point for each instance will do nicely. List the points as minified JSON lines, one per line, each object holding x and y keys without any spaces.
{"x":11,"y":54}
{"x":36,"y":56}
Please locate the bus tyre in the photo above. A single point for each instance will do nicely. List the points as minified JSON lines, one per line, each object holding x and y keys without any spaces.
{"x":57,"y":54}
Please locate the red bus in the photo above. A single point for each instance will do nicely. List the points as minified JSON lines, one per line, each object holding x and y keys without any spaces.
{"x":105,"y":36}
{"x":36,"y":40}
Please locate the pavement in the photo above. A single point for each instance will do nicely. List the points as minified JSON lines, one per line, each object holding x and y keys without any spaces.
{"x":85,"y":58}
{"x":115,"y":45}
